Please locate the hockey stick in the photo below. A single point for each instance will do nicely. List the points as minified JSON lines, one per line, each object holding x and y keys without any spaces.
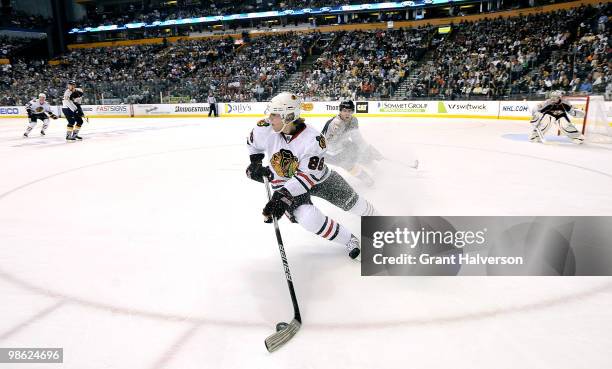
{"x":284,"y":331}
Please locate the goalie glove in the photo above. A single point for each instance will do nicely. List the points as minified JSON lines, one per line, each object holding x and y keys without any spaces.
{"x":276,"y":207}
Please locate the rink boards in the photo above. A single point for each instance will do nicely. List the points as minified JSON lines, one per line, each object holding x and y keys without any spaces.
{"x":514,"y":110}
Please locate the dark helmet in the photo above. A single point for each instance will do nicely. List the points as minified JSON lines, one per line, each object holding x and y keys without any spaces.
{"x":348,"y":104}
{"x":72,"y":82}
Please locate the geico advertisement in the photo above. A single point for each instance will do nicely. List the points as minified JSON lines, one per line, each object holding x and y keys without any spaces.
{"x":12,"y":111}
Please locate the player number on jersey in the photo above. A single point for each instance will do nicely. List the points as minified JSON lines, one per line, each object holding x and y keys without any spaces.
{"x":315,"y":163}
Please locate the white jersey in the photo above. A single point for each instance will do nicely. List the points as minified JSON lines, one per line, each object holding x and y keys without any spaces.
{"x":339,"y":133}
{"x":69,"y":101}
{"x":35,"y":107}
{"x":297,"y":161}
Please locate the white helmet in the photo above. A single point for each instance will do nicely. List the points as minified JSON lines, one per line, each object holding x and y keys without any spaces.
{"x":287,"y":105}
{"x":42,"y":96}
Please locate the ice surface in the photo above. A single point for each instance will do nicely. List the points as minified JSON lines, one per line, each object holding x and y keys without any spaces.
{"x":143,"y":247}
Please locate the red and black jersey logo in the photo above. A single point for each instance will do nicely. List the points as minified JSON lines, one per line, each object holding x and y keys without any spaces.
{"x":284,"y":163}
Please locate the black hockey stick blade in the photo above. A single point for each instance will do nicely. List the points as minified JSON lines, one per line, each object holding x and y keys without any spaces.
{"x":278,"y":339}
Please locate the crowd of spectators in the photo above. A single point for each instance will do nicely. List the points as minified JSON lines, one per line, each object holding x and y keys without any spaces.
{"x":10,"y":45}
{"x":525,"y":55}
{"x":186,"y":68}
{"x":488,"y":59}
{"x":363,"y":64}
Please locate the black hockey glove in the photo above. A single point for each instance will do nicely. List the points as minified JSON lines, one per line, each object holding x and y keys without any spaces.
{"x":76,"y":94}
{"x":281,"y":201}
{"x":256,"y":171}
{"x":79,"y":110}
{"x":30,"y":114}
{"x":53,"y":116}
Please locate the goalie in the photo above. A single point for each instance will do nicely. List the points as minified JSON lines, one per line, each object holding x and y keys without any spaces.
{"x":556,"y":110}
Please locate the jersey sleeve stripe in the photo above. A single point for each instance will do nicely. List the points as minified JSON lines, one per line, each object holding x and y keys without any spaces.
{"x":302,"y":175}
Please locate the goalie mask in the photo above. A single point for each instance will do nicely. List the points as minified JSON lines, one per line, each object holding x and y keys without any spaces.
{"x":556,"y":96}
{"x":287,"y":105}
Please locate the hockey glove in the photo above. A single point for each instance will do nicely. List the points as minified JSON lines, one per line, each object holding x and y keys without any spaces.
{"x":281,"y":201}
{"x":256,"y":171}
{"x":53,"y":116}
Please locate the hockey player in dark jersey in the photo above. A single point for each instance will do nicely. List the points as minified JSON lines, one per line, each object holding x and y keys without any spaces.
{"x":71,"y":107}
{"x":346,"y":147}
{"x":555,"y":110}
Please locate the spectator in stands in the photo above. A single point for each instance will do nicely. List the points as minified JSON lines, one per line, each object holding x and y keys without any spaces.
{"x":586,"y":87}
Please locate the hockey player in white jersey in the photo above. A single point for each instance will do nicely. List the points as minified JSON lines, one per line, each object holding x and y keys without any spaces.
{"x":71,"y":107}
{"x":555,"y":110}
{"x":38,"y":109}
{"x":297,"y":171}
{"x":346,"y":147}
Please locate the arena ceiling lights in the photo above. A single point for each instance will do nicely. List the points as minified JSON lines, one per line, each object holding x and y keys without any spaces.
{"x":290,"y":12}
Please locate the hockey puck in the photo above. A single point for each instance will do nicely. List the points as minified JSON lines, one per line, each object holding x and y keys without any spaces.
{"x":280,"y":326}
